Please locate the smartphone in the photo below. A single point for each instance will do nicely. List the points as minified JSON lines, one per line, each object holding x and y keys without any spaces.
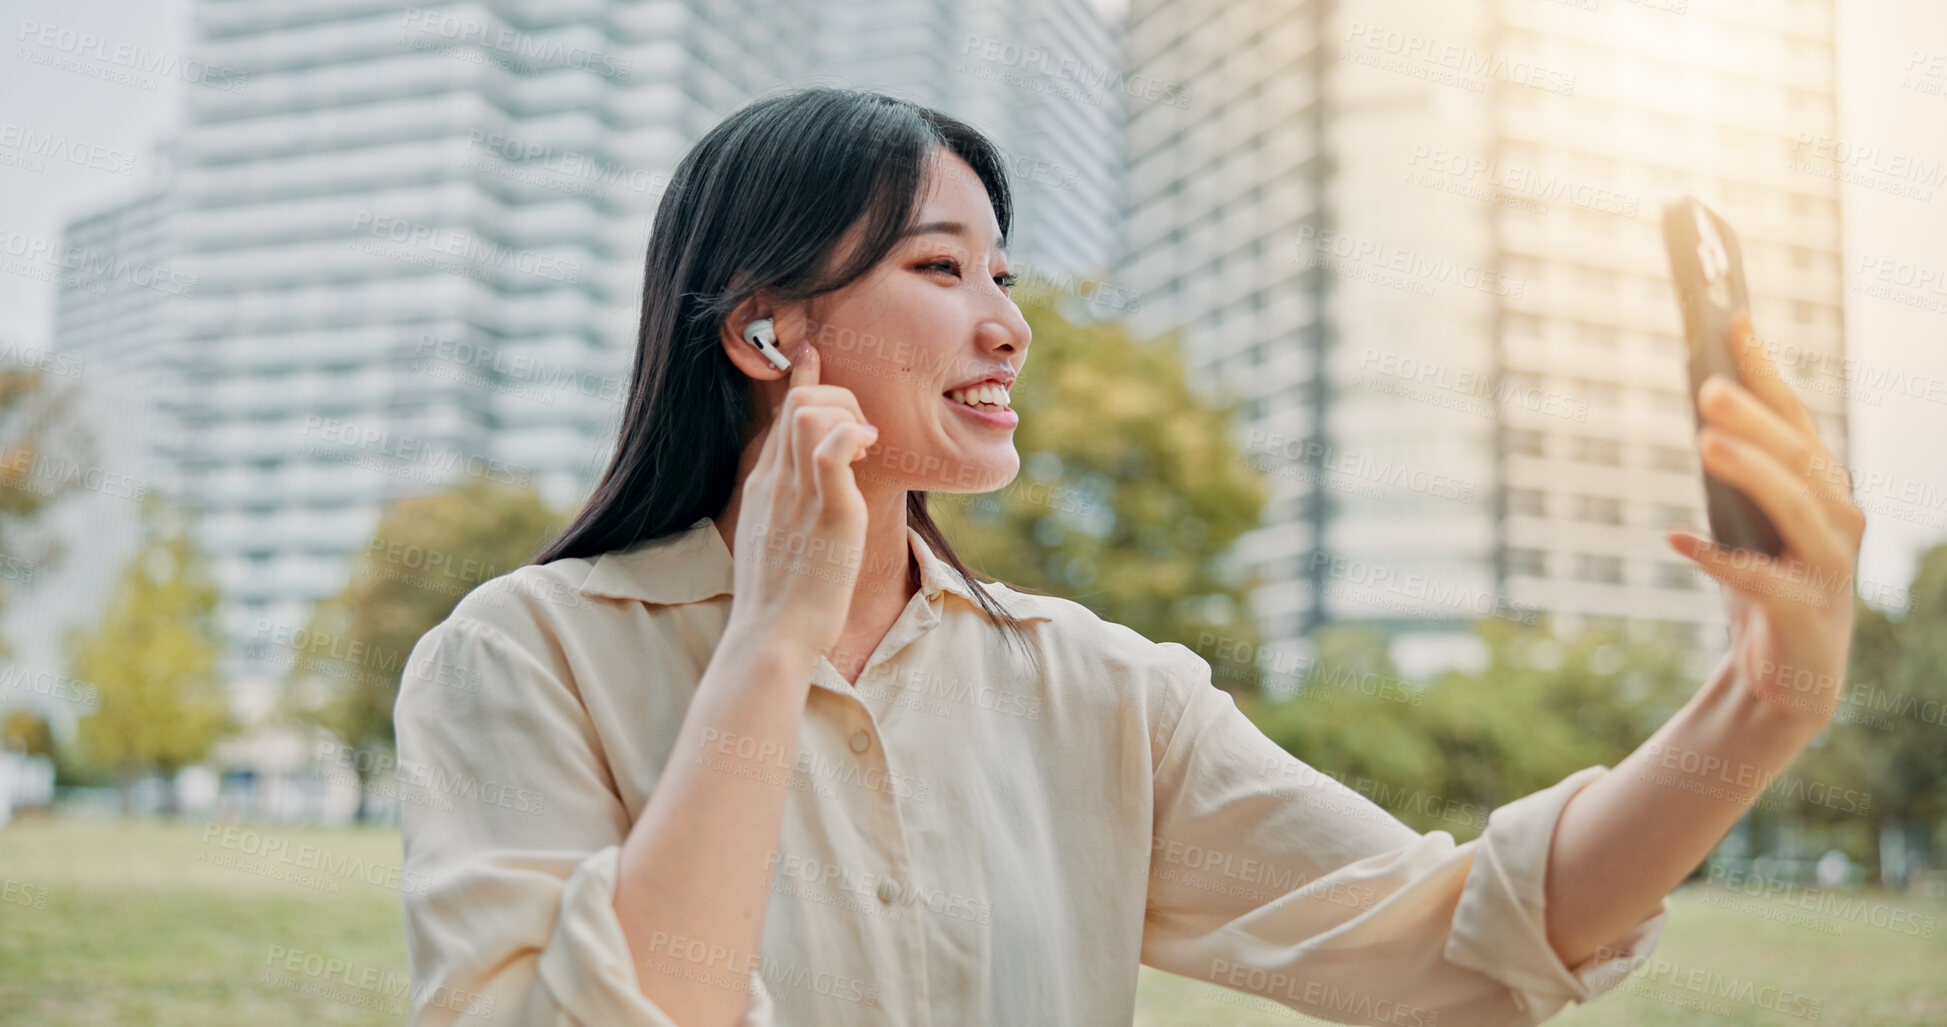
{"x":1709,"y":273}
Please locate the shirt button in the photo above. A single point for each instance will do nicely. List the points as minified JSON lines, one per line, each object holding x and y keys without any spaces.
{"x":861,"y":741}
{"x":888,"y":891}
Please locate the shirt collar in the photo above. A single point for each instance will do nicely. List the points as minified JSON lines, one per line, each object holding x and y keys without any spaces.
{"x":693,"y":564}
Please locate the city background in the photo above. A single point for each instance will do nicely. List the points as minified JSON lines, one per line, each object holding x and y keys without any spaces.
{"x":316,"y":315}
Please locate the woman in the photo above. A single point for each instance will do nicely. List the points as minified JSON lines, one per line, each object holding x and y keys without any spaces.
{"x":748,"y":744}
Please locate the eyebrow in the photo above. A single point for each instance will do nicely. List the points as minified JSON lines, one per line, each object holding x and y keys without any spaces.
{"x":943,"y":228}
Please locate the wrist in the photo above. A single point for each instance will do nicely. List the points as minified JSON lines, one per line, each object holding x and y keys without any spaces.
{"x":1770,"y":727}
{"x":762,"y":646}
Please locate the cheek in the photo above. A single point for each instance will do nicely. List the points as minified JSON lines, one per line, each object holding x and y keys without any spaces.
{"x":882,"y":400}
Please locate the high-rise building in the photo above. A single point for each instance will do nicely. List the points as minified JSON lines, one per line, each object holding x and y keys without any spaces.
{"x":1041,"y":77}
{"x":1420,"y":241}
{"x":115,"y":306}
{"x":412,"y":234}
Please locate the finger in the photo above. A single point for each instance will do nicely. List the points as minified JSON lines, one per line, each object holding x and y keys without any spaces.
{"x":852,"y":441}
{"x":808,"y":429}
{"x":1756,"y":576}
{"x":827,"y":396}
{"x":767,"y":453}
{"x":1833,"y":483}
{"x":805,"y":388}
{"x":1731,"y":406}
{"x":1761,"y":375}
{"x":803,"y":393}
{"x":804,"y":371}
{"x":1783,"y":496}
{"x":836,"y":453}
{"x":1734,"y":406}
{"x":804,"y":365}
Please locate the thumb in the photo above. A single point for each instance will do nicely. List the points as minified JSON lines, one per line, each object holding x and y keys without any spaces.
{"x":804,"y":368}
{"x":1685,"y":540}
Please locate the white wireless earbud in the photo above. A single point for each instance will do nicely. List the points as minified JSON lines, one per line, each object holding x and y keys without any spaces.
{"x":762,"y":334}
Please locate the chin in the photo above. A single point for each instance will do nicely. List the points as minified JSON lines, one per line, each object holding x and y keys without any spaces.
{"x":971,"y":468}
{"x":980,"y":476}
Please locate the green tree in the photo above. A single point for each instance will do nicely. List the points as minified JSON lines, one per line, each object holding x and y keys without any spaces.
{"x":1354,"y":717}
{"x":24,"y":731}
{"x":428,"y":552}
{"x":1131,"y":489}
{"x":44,"y":453}
{"x":1886,"y":740}
{"x":1444,"y":754}
{"x":1547,"y":705}
{"x":153,"y":659}
{"x":1914,"y":781}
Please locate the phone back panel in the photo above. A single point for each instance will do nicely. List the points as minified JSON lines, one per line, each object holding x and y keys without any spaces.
{"x":1709,"y":270}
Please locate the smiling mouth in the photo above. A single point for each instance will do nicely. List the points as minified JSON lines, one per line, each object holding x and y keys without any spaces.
{"x":991,"y":398}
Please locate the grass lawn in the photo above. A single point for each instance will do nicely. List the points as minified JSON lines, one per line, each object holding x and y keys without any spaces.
{"x":1725,"y":959}
{"x":106,"y":922}
{"x":149,"y":923}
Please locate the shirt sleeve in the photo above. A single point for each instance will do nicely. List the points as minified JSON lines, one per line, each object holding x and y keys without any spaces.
{"x":513,"y":833}
{"x":1270,"y":877}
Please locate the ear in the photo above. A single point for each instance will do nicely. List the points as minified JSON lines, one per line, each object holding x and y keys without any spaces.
{"x":745,"y":355}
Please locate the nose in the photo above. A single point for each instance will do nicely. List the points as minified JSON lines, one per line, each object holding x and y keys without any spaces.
{"x":1004,"y":329}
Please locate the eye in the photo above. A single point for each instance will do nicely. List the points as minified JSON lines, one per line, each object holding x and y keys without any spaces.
{"x":952,"y":266}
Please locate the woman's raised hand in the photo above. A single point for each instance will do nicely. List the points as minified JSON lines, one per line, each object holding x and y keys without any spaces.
{"x":801,"y":522}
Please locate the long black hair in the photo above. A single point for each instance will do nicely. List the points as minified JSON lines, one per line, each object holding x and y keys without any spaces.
{"x":761,"y":202}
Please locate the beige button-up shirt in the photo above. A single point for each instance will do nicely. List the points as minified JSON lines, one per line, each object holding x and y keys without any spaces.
{"x":965,"y":841}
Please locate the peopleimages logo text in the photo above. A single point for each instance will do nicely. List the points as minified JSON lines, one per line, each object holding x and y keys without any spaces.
{"x":91,"y":267}
{"x":527,"y":48}
{"x":1074,"y":69}
{"x":473,"y":255}
{"x":132,"y":60}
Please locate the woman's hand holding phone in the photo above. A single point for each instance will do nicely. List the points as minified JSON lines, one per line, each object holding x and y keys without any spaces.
{"x":1787,"y":532}
{"x":1790,"y":614}
{"x":801,"y":522}
{"x":1635,"y":833}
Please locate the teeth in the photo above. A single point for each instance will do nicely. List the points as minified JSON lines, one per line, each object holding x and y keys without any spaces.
{"x":984,"y":395}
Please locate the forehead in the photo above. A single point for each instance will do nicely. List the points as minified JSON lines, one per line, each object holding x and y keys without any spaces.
{"x":954,"y":201}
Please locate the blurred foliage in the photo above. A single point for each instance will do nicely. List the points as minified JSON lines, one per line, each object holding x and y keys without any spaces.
{"x":24,"y":731}
{"x":153,"y":658}
{"x":427,"y":553}
{"x":1889,"y":739}
{"x":1131,"y":489}
{"x":45,"y":453}
{"x":1441,"y":754}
